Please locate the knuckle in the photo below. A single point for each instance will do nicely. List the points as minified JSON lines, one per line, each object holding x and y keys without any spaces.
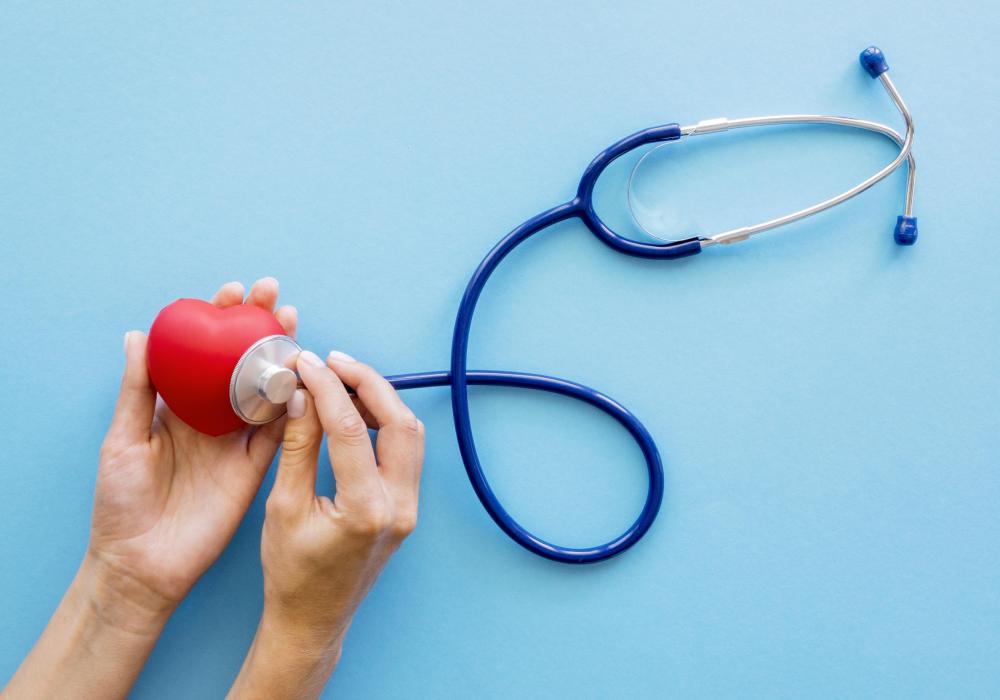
{"x":411,"y":425}
{"x":371,"y":522}
{"x":351,"y":426}
{"x":298,"y":442}
{"x":404,"y":523}
{"x":278,"y":505}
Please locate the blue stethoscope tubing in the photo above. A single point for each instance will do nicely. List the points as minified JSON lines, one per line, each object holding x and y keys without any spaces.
{"x":459,"y":378}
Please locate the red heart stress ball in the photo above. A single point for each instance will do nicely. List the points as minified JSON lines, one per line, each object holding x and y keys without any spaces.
{"x":219,"y":369}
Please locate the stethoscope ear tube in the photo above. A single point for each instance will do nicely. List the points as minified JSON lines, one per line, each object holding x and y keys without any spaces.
{"x":874,"y":63}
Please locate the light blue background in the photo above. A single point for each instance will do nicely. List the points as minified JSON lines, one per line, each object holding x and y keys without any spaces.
{"x":826,"y":403}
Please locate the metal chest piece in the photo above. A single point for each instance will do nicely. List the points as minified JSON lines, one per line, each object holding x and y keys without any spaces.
{"x":264,"y":379}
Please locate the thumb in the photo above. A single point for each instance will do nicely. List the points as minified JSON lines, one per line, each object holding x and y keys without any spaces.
{"x":295,"y":483}
{"x":137,"y":398}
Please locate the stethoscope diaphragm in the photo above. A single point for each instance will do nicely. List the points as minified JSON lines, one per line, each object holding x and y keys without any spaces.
{"x":264,"y":379}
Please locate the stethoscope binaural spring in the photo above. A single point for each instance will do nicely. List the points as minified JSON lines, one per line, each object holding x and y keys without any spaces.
{"x":459,"y":377}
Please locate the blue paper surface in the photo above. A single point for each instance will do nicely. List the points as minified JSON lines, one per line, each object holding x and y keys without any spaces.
{"x":825,"y":401}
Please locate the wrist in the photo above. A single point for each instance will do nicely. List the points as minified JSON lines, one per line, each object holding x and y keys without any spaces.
{"x":118,"y":600}
{"x":97,"y":640}
{"x":314,"y":630}
{"x":288,"y":659}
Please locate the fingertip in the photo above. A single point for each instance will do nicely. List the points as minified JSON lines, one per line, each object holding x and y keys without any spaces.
{"x":264,"y":293}
{"x":229,"y":294}
{"x":338,"y":357}
{"x":297,"y":405}
{"x":309,"y":359}
{"x":302,"y":427}
{"x":136,"y":397}
{"x":315,"y":375}
{"x":134,"y":341}
{"x":288,"y":317}
{"x":347,"y":369}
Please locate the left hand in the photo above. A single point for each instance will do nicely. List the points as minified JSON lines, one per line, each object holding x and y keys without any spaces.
{"x":168,"y":501}
{"x":169,"y":498}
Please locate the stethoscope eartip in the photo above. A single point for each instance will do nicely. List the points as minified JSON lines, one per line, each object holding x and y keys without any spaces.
{"x":873,"y":60}
{"x":906,"y":230}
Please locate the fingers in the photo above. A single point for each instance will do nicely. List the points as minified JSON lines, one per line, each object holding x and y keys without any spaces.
{"x":295,"y":483}
{"x":350,"y":447}
{"x":400,"y":443}
{"x":264,"y":443}
{"x":137,"y":398}
{"x":365,"y":413}
{"x":229,"y":294}
{"x":288,"y":317}
{"x":264,"y":293}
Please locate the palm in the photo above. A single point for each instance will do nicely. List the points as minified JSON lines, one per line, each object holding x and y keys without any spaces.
{"x":169,"y":500}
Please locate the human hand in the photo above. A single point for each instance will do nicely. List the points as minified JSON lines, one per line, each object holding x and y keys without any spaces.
{"x":169,"y":498}
{"x":321,"y":556}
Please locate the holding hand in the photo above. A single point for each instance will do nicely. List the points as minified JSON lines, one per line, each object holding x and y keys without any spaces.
{"x":170,"y":498}
{"x":167,"y":502}
{"x":321,"y":556}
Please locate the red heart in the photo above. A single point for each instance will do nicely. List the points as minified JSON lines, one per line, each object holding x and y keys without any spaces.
{"x":193,"y":349}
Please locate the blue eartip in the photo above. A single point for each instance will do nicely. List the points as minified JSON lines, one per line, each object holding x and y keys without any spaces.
{"x":906,"y":230}
{"x":873,"y":61}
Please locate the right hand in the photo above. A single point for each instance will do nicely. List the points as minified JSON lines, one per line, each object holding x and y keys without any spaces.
{"x":321,"y":556}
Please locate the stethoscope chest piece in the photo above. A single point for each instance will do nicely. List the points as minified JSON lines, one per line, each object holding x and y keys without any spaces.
{"x":264,"y":379}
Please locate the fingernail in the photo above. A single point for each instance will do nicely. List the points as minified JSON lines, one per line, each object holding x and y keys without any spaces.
{"x":338,"y":356}
{"x":125,"y":341}
{"x":297,"y":404}
{"x":310,"y":358}
{"x":269,"y":280}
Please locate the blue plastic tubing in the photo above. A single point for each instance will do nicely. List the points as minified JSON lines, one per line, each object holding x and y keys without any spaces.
{"x":459,"y":377}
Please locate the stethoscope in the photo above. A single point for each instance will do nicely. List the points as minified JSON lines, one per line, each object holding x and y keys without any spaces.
{"x":459,"y":377}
